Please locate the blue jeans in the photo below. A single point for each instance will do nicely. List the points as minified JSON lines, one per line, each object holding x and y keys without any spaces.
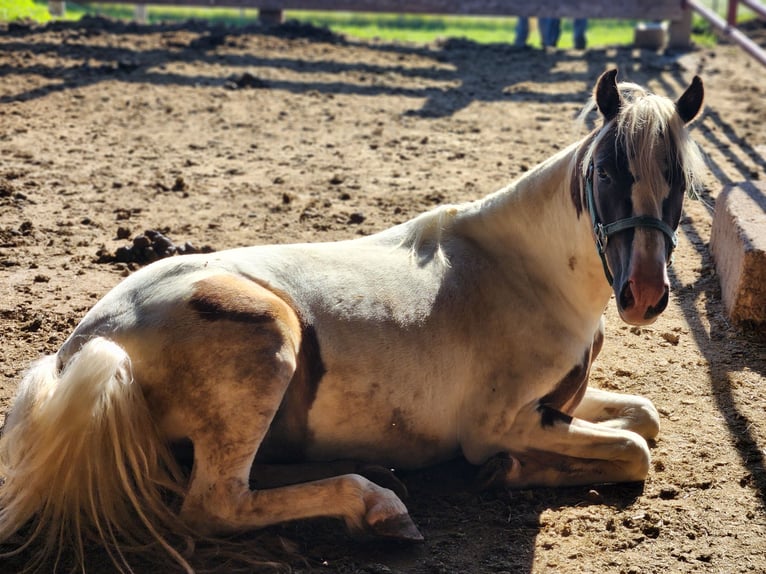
{"x":550,"y":31}
{"x":580,"y":25}
{"x":522,"y":32}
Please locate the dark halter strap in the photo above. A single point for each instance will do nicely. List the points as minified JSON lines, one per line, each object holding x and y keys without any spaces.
{"x":604,"y":232}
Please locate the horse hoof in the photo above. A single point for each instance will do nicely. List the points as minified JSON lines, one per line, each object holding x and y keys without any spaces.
{"x":400,"y":527}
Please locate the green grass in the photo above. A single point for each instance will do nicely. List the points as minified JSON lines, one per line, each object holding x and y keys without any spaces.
{"x":400,"y":27}
{"x":11,"y":10}
{"x":416,"y":28}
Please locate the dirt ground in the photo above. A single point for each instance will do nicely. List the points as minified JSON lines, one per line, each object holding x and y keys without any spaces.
{"x":225,"y":139}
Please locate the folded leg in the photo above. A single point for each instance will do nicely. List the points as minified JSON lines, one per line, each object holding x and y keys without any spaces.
{"x":619,"y":411}
{"x":560,"y":450}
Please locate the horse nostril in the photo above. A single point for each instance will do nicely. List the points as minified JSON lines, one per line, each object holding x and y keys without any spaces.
{"x":655,"y":310}
{"x":627,"y":300}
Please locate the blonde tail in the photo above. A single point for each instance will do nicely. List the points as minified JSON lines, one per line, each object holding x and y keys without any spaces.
{"x":80,"y":459}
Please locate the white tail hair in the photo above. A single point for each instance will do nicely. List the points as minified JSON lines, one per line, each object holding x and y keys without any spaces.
{"x":81,"y":458}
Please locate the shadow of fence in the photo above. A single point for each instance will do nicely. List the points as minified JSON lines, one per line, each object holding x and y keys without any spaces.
{"x":712,"y":335}
{"x":447,"y":77}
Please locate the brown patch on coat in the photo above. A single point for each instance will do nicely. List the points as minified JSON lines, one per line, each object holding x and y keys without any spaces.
{"x":229,"y":354}
{"x":232,"y":298}
{"x":289,"y":435}
{"x":570,"y":390}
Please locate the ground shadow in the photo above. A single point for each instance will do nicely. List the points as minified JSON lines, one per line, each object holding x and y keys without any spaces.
{"x":447,"y":80}
{"x":713,"y":335}
{"x":442,"y":500}
{"x":450,"y":511}
{"x":714,"y":132}
{"x":712,"y":342}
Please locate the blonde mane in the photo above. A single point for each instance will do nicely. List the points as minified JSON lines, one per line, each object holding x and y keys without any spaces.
{"x":649,"y":127}
{"x":424,"y":239}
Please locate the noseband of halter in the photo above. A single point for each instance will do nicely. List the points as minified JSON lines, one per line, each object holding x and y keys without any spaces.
{"x":604,"y":232}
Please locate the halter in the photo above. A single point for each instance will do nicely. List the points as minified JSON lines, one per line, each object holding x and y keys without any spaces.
{"x":604,"y":232}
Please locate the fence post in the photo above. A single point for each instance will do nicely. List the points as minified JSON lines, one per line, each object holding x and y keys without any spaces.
{"x":731,"y":17}
{"x":680,"y":31}
{"x":57,"y":8}
{"x":141,"y":13}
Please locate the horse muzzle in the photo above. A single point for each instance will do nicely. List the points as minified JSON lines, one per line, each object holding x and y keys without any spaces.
{"x":644,"y":293}
{"x":641,"y":304}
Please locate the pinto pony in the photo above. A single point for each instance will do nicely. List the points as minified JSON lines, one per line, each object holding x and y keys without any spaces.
{"x":467,"y":331}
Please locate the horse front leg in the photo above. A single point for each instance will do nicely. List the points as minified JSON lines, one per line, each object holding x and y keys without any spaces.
{"x":561,"y":450}
{"x":619,"y":411}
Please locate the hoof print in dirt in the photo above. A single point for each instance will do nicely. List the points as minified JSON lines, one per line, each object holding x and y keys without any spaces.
{"x":147,"y":248}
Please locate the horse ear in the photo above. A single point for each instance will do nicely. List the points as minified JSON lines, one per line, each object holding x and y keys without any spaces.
{"x":690,"y":102}
{"x":607,"y":95}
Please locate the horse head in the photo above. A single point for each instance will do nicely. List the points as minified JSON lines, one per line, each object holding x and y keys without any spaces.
{"x":637,"y":168}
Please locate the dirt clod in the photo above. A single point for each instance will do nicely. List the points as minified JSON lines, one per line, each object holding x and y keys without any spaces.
{"x":147,"y":248}
{"x":672,"y":338}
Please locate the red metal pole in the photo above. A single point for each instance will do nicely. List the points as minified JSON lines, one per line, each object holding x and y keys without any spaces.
{"x":727,"y":30}
{"x":731,"y":18}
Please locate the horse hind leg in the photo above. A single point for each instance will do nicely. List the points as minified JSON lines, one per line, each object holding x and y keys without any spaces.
{"x":264,"y":476}
{"x":255,"y":336}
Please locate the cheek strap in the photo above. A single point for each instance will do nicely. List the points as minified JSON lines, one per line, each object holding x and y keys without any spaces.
{"x":603,"y":232}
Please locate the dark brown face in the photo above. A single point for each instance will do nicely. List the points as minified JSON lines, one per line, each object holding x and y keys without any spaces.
{"x":631,"y":183}
{"x":637,"y":256}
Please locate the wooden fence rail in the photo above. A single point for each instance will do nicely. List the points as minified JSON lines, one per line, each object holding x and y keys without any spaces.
{"x":270,"y":11}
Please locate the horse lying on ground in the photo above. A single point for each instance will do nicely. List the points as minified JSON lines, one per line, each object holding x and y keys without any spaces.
{"x":467,"y":331}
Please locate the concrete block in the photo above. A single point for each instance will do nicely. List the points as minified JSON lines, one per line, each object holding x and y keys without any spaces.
{"x":57,"y":8}
{"x":141,"y":14}
{"x":649,"y":35}
{"x":738,"y":244}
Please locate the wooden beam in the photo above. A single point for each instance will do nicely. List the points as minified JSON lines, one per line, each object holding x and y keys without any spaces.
{"x":680,"y":32}
{"x":639,"y":9}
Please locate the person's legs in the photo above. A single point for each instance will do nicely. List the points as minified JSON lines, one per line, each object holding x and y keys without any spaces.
{"x":580,"y":25}
{"x":550,"y":29}
{"x":522,"y":32}
{"x":555,"y":31}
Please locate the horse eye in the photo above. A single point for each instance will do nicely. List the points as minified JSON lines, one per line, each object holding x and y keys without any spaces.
{"x":602,"y":174}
